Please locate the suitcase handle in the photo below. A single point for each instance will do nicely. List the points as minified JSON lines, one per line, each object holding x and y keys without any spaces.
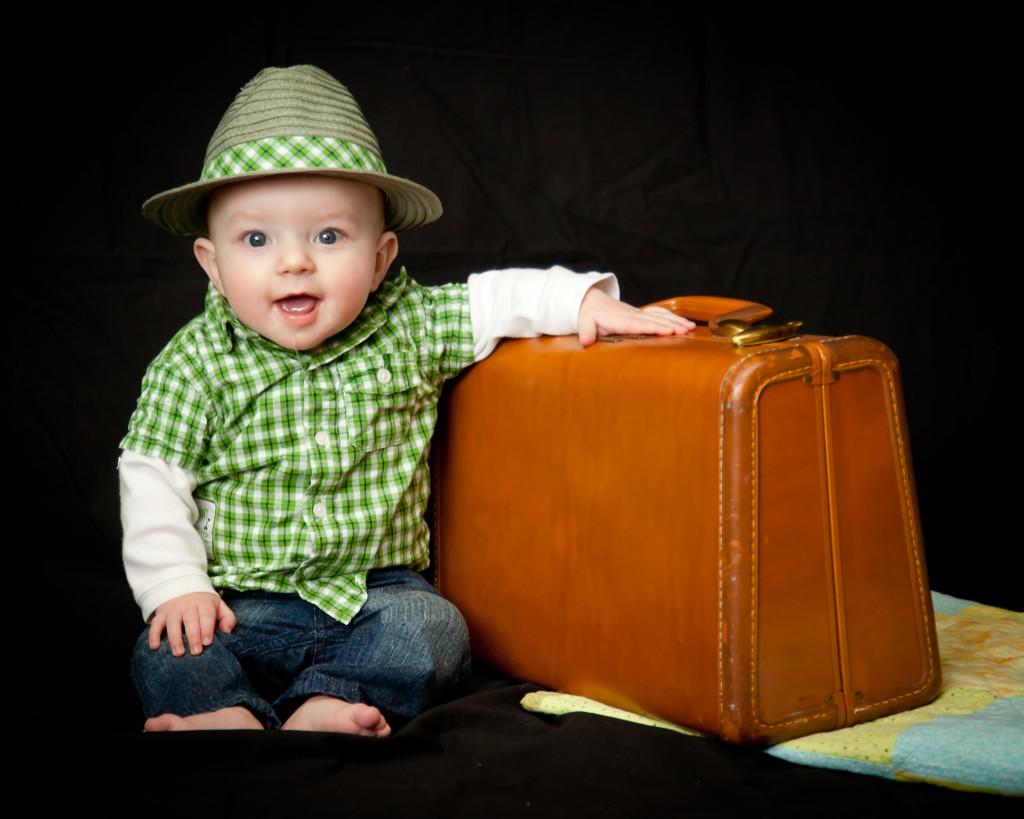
{"x":714,"y":309}
{"x":731,"y":318}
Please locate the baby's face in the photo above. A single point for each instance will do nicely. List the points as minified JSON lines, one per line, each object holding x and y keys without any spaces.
{"x":297,"y":256}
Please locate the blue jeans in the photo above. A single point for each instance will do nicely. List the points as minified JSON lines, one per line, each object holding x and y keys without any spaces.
{"x":405,"y":646}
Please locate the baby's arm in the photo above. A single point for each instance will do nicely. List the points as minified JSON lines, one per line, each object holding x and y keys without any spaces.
{"x":526,"y":302}
{"x":164,"y":557}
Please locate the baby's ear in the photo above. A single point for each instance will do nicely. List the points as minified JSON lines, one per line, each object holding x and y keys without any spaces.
{"x":207,"y":258}
{"x":387,"y":250}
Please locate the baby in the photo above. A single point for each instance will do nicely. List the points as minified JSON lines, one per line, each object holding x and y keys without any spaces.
{"x":274,"y":474}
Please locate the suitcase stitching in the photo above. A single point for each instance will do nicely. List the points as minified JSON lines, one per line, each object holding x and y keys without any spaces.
{"x":752,"y":661}
{"x":908,"y":505}
{"x":908,"y":510}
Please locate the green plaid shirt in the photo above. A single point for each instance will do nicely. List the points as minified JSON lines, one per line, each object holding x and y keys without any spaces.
{"x":311,"y":466}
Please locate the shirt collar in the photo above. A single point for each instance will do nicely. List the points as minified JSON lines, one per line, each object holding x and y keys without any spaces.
{"x":225,"y":327}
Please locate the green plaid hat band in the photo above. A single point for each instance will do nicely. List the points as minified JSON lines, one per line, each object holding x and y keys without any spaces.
{"x":292,"y":153}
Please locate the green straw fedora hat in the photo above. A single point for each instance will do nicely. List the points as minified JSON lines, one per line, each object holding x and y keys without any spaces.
{"x":292,"y":120}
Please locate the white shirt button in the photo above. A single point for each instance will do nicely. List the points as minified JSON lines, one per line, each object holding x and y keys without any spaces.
{"x":384,"y":376}
{"x":320,"y":510}
{"x":322,"y":438}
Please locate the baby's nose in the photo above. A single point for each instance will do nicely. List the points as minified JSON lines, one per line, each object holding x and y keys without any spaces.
{"x":295,"y":258}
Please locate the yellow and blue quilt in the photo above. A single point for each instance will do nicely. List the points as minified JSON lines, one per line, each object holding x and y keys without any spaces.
{"x":971,"y":737}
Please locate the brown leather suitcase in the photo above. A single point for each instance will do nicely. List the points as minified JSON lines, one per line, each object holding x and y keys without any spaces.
{"x":719,"y":535}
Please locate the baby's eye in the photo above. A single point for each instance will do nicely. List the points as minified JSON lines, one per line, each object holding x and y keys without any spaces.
{"x":255,"y":239}
{"x":327,"y":237}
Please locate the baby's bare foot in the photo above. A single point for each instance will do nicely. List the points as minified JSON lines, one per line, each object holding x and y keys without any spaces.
{"x":236,"y":717}
{"x":323,"y":713}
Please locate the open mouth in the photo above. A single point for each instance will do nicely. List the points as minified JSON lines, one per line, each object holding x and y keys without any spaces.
{"x":297,"y":305}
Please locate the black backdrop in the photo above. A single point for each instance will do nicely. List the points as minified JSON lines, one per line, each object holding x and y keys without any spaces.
{"x":850,"y":169}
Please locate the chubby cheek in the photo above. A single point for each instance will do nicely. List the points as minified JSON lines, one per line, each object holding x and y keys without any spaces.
{"x":253,"y":310}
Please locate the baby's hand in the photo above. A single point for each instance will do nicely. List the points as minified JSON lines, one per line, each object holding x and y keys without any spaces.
{"x":601,"y":315}
{"x":197,"y":614}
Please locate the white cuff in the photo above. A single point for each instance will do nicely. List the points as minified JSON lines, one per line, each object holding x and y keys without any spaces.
{"x":527,"y":302}
{"x":164,"y":557}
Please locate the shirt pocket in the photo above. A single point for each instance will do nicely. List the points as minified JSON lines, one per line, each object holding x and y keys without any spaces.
{"x":382,"y":394}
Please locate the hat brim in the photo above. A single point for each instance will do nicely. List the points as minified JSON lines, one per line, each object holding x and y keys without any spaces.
{"x":182,"y":211}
